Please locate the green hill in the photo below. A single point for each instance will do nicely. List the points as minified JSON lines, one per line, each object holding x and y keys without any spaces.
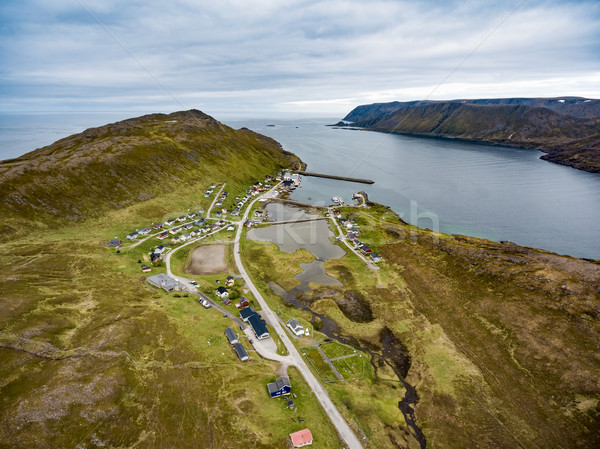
{"x":127,"y":162}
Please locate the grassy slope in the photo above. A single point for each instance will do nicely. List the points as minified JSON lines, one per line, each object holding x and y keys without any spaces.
{"x":121,"y":164}
{"x":502,"y":339}
{"x":92,"y":356}
{"x":569,"y":140}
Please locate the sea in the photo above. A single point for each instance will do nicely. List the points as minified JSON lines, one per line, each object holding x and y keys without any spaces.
{"x":456,"y":187}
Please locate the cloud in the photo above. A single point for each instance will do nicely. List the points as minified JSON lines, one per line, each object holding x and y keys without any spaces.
{"x":297,"y":55}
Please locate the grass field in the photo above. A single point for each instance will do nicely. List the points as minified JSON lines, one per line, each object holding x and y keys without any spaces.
{"x":335,"y":349}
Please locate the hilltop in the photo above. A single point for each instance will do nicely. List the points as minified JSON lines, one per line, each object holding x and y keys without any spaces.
{"x":123,"y":163}
{"x":566,"y":128}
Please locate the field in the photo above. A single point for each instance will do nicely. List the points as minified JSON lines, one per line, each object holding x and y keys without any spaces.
{"x":207,"y":259}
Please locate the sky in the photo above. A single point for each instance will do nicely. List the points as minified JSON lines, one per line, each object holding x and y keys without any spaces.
{"x":318,"y":58}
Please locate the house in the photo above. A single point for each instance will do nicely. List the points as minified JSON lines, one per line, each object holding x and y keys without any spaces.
{"x":188,"y":226}
{"x":213,"y":186}
{"x":258,"y":326}
{"x":157,"y":225}
{"x":288,"y":184}
{"x":182,"y":218}
{"x":191,"y":215}
{"x":301,"y":438}
{"x":295,"y":326}
{"x":175,"y":230}
{"x":200,"y":212}
{"x":160,"y":249}
{"x":185,"y":237}
{"x":280,"y":387}
{"x":132,"y":236}
{"x":241,"y":351}
{"x":162,"y":235}
{"x":246,"y":313}
{"x":226,"y":300}
{"x":365,"y":249}
{"x":165,"y":282}
{"x":222,"y":292}
{"x":231,"y":227}
{"x":230,"y":281}
{"x":145,"y":230}
{"x":155,"y":257}
{"x":242,"y":303}
{"x":231,"y":336}
{"x":169,"y":222}
{"x":114,"y":243}
{"x":375,"y":257}
{"x":146,"y":268}
{"x":200,"y":222}
{"x":176,"y":239}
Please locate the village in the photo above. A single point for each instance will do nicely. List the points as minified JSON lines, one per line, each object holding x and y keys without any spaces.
{"x":232,"y":295}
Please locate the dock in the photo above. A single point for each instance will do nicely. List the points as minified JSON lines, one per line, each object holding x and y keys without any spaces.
{"x":340,"y":178}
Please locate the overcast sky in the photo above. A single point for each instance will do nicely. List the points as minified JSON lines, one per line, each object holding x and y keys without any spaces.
{"x":319,"y":57}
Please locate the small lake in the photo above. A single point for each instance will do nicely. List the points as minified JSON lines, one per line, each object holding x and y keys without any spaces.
{"x":312,"y":236}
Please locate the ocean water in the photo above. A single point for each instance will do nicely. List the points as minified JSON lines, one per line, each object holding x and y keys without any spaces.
{"x":499,"y":193}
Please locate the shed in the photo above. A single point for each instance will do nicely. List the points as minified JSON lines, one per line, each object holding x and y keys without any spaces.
{"x":115,"y":243}
{"x":301,"y":438}
{"x":280,"y":387}
{"x":241,"y":351}
{"x":231,"y":336}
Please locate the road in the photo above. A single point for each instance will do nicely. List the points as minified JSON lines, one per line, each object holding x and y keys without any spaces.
{"x":370,"y":264}
{"x":294,"y":358}
{"x":267,"y":348}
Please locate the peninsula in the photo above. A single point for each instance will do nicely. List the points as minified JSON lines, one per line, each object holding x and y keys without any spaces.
{"x":567,"y":129}
{"x":139,"y":312}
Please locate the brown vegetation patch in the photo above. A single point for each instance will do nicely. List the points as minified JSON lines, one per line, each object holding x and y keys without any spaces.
{"x":207,"y":259}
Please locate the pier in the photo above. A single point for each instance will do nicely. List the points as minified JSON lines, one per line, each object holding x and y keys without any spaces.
{"x":341,"y":178}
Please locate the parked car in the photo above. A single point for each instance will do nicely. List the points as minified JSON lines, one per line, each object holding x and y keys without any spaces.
{"x":193,"y":283}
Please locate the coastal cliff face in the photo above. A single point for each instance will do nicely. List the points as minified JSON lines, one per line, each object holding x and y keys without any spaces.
{"x":123,"y":163}
{"x":567,"y":129}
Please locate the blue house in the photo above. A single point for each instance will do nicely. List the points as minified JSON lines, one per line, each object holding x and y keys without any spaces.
{"x":280,"y":387}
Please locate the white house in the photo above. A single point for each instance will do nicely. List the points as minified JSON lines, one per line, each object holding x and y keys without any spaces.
{"x":295,"y":326}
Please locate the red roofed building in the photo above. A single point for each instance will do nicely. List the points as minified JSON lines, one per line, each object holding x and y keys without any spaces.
{"x":301,"y":438}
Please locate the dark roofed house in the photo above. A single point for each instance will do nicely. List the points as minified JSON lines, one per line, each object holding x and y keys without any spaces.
{"x":259,"y":326}
{"x":231,"y":336}
{"x":154,"y":257}
{"x":280,"y":387}
{"x":222,"y":292}
{"x":114,"y":243}
{"x":241,"y":351}
{"x":375,"y":257}
{"x":246,"y":313}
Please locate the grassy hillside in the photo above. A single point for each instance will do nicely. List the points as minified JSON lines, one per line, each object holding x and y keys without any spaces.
{"x":90,"y":355}
{"x":499,"y":341}
{"x":567,"y":129}
{"x":120,"y":164}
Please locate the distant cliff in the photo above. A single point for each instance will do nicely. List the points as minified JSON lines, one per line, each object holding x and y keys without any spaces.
{"x":567,"y":129}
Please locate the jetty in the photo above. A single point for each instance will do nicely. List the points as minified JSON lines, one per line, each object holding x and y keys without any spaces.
{"x":341,"y":178}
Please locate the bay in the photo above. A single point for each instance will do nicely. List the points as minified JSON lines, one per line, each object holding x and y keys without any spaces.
{"x":455,"y":187}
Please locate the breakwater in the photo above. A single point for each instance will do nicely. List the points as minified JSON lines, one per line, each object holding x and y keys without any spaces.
{"x":341,"y":178}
